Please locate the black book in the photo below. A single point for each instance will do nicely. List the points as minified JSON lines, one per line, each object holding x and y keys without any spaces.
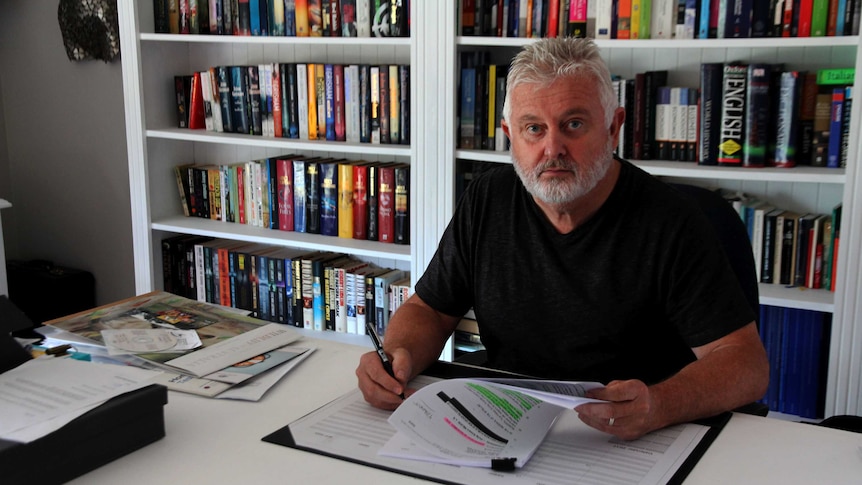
{"x":710,"y":112}
{"x":312,"y":197}
{"x":365,"y":103}
{"x":372,"y":189}
{"x":404,"y":103}
{"x":225,"y":99}
{"x":254,"y":101}
{"x":757,"y":115}
{"x":384,"y":105}
{"x":652,"y":81}
{"x":402,"y":204}
{"x":239,"y":99}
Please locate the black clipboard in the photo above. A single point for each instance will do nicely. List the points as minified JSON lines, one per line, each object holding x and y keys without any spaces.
{"x":446,"y":370}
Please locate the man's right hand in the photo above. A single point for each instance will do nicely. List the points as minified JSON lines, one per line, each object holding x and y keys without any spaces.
{"x":378,"y":387}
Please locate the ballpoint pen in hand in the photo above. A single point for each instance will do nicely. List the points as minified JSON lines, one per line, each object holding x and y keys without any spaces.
{"x":384,"y":359}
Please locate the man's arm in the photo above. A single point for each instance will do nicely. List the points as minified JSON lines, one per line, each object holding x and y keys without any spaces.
{"x":729,"y":372}
{"x":414,"y":339}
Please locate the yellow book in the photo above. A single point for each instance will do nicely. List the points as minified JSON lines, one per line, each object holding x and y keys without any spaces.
{"x":312,"y":101}
{"x":492,"y":104}
{"x":636,"y":19}
{"x":345,"y":200}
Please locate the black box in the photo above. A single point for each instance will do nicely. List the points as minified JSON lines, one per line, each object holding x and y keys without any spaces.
{"x":45,"y":291}
{"x":114,"y":429}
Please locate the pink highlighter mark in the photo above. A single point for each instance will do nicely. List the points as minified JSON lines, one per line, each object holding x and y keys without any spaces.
{"x":462,"y":433}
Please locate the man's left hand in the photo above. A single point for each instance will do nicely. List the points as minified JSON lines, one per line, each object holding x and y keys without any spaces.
{"x":628,"y":414}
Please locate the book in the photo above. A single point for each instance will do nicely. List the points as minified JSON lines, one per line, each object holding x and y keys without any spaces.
{"x":381,"y":299}
{"x":836,"y":118}
{"x":182,"y":92}
{"x":846,"y":110}
{"x":757,"y":115}
{"x":374,"y":79}
{"x":339,"y":122}
{"x":384,"y":106}
{"x":386,"y":204}
{"x":346,"y":199}
{"x":329,"y":102}
{"x":312,"y":196}
{"x":401,"y":216}
{"x":329,"y":195}
{"x":239,"y":99}
{"x":788,"y":118}
{"x":300,"y":207}
{"x":732,"y":133}
{"x":352,"y":111}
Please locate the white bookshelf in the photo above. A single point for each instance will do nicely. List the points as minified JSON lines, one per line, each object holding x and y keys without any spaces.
{"x":154,"y":146}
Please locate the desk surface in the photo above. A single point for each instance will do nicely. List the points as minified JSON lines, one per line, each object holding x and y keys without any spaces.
{"x":213,"y":441}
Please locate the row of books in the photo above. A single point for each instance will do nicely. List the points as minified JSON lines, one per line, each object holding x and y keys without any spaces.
{"x":750,"y":115}
{"x":797,"y":345}
{"x":791,"y":248}
{"x":331,"y":197}
{"x":293,"y":18}
{"x":659,"y":19}
{"x":333,"y":102}
{"x":318,"y":290}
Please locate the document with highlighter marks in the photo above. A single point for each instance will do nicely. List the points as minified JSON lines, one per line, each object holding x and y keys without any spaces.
{"x":482,"y":422}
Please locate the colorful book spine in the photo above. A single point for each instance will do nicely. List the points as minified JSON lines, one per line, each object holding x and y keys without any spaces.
{"x":345,"y":200}
{"x":329,"y":198}
{"x":757,"y":115}
{"x":836,"y":118}
{"x":732,"y":133}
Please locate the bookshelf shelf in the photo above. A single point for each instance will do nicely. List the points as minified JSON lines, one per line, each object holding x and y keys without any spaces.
{"x":252,"y":40}
{"x":243,"y":232}
{"x":279,"y":143}
{"x":692,"y":170}
{"x":697,"y":44}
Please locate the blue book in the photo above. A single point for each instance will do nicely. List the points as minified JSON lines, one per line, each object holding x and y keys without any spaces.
{"x":329,"y":198}
{"x":300,"y":213}
{"x":239,"y":98}
{"x":833,"y":158}
{"x":839,"y":19}
{"x":329,"y":82}
{"x":261,"y":271}
{"x":468,"y":108}
{"x":703,"y":26}
{"x":290,"y":109}
{"x":290,"y":18}
{"x":254,"y":16}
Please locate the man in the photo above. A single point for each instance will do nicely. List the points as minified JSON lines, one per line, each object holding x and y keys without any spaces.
{"x":581,"y":266}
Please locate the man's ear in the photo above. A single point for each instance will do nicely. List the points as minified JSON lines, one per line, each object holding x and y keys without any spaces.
{"x":505,"y":127}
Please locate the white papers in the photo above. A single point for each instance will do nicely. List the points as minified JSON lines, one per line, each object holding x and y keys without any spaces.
{"x":242,"y":371}
{"x":42,"y":395}
{"x":473,"y":422}
{"x":571,"y":454}
{"x":236,"y":349}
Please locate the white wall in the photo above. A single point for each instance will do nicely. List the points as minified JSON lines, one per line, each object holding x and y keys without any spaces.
{"x":63,"y":162}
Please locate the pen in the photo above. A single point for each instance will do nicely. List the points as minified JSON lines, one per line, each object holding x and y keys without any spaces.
{"x":384,"y":359}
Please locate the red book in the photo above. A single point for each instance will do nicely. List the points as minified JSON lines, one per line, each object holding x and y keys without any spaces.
{"x":553,"y":18}
{"x":386,"y":204}
{"x":284,"y":172}
{"x":240,"y":193}
{"x":278,"y":127}
{"x":338,"y":81}
{"x":360,"y":201}
{"x":803,"y":27}
{"x":197,"y":119}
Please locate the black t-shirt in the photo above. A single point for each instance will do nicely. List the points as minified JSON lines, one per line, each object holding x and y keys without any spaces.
{"x":625,"y":295}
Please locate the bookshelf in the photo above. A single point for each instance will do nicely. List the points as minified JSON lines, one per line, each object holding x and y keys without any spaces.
{"x":805,"y":189}
{"x":154,"y":146}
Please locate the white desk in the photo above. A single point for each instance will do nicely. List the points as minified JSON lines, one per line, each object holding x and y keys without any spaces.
{"x":213,"y":441}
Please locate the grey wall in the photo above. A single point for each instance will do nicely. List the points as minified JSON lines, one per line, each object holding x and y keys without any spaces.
{"x":63,"y":162}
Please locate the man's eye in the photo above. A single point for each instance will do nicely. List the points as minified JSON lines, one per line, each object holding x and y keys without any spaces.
{"x":533,"y":129}
{"x":574,"y":124}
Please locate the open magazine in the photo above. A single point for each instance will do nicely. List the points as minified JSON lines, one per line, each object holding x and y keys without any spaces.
{"x":483,"y":422}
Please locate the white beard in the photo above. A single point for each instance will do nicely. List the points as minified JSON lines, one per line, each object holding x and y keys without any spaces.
{"x":559,"y":191}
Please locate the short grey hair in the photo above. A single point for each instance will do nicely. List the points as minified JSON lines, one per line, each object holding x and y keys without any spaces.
{"x":546,"y":60}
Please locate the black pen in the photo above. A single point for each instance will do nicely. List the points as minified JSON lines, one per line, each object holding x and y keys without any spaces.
{"x":384,"y":359}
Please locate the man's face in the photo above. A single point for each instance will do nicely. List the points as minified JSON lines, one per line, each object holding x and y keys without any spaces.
{"x":561,"y":144}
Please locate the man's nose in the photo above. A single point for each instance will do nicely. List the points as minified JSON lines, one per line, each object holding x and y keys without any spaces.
{"x":554,"y":146}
